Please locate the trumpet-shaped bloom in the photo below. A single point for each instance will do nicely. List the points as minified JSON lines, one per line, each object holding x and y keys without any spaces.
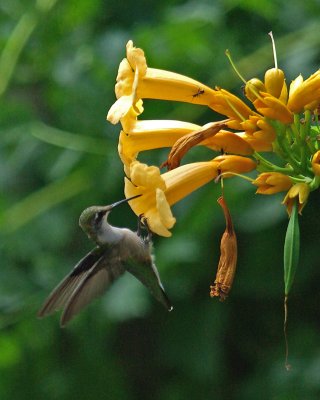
{"x":135,"y":81}
{"x":159,"y":192}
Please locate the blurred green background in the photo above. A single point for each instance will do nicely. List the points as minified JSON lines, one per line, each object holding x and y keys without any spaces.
{"x":58,"y":64}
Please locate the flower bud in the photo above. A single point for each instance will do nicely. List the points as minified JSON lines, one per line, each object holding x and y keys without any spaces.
{"x":236,"y":164}
{"x":274,"y":81}
{"x":316,"y":163}
{"x":272,"y":182}
{"x":253,"y":87}
{"x":299,"y":191}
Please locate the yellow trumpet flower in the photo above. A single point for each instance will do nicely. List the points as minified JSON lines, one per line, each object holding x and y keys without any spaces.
{"x":159,"y":192}
{"x":135,"y":81}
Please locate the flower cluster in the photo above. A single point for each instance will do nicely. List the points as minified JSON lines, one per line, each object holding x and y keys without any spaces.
{"x":281,"y":119}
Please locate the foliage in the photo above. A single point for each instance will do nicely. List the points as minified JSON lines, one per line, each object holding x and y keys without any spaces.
{"x":58,"y":65}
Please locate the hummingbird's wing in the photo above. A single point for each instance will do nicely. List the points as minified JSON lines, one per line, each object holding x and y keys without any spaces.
{"x":105,"y":271}
{"x":62,"y":293}
{"x":146,"y":272}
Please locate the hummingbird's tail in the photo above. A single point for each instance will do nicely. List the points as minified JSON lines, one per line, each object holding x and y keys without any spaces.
{"x":164,"y":299}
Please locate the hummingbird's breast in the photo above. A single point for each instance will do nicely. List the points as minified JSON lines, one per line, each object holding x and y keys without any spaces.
{"x":109,"y":234}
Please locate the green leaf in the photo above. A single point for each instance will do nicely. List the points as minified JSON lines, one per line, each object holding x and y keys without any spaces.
{"x":291,"y":249}
{"x":68,"y":140}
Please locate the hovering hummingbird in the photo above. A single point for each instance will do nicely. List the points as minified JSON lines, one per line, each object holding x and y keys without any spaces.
{"x":118,"y":250}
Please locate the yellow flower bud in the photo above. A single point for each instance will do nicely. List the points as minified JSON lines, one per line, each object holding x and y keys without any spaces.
{"x":316,"y":163}
{"x":230,"y":105}
{"x":272,"y":182}
{"x":256,"y":142}
{"x":237,"y":164}
{"x":299,"y":191}
{"x":229,"y":142}
{"x":253,"y":87}
{"x":274,"y":81}
{"x":304,"y":94}
{"x":273,"y":108}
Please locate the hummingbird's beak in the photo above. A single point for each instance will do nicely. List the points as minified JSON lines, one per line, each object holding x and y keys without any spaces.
{"x":123,"y":201}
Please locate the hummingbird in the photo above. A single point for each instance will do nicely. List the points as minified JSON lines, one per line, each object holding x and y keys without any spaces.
{"x":117,"y":250}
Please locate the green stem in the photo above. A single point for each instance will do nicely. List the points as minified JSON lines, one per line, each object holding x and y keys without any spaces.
{"x":303,"y":134}
{"x":288,"y":154}
{"x":295,"y":132}
{"x":271,"y":167}
{"x":283,"y":142}
{"x":315,"y":183}
{"x":247,"y":178}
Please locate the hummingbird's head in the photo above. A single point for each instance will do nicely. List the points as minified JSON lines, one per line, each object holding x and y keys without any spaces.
{"x":92,"y":218}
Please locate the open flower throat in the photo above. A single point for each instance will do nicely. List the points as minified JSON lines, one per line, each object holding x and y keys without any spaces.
{"x":279,"y":118}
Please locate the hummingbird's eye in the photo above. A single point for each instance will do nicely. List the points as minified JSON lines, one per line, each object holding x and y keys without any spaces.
{"x":98,"y":217}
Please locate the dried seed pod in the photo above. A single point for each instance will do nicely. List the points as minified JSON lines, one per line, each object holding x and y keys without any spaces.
{"x":228,"y":257}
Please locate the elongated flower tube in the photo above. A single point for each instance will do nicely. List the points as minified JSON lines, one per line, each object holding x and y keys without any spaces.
{"x":136,"y":81}
{"x":149,"y":135}
{"x":155,"y":134}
